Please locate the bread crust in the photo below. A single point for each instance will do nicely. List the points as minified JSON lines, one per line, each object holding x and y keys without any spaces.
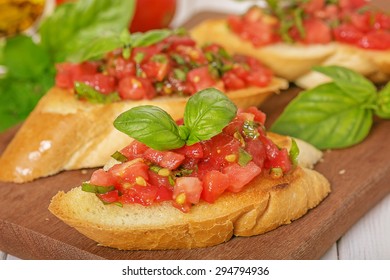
{"x":71,"y":134}
{"x":295,"y":61}
{"x":263,"y":205}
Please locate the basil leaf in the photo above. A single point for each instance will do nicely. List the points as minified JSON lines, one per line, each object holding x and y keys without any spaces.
{"x":383,"y":103}
{"x":74,"y":25}
{"x":96,"y":48}
{"x":207,"y":113}
{"x":87,"y":187}
{"x":150,"y":37}
{"x":326,"y":117}
{"x":150,"y":125}
{"x":84,"y":91}
{"x":25,"y":59}
{"x":349,"y":81}
{"x":294,"y":152}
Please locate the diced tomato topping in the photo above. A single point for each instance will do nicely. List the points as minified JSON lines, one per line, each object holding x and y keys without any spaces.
{"x":165,"y":159}
{"x":187,"y":191}
{"x":134,"y":150}
{"x":203,"y":171}
{"x":68,"y":73}
{"x":242,"y":175}
{"x":132,"y":172}
{"x":321,"y":22}
{"x":120,"y":67}
{"x":200,"y":78}
{"x":100,"y":82}
{"x":109,"y":197}
{"x":102,"y":178}
{"x":144,"y":195}
{"x":214,"y":184}
{"x":135,"y":88}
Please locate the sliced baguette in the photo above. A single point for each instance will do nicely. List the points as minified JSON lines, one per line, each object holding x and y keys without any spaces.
{"x":63,"y":133}
{"x":287,"y":61}
{"x":295,"y":61}
{"x":263,"y":205}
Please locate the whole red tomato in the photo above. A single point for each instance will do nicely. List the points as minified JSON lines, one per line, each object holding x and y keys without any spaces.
{"x":152,"y":14}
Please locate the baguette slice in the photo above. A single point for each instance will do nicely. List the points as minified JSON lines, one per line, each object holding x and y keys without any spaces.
{"x":295,"y":61}
{"x":63,"y":133}
{"x":287,"y":61}
{"x":263,"y":205}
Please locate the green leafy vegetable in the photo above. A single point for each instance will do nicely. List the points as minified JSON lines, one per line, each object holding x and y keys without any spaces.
{"x":119,"y":156}
{"x":83,"y":29}
{"x":206,"y":114}
{"x":338,"y":114}
{"x":294,"y":152}
{"x":87,"y":187}
{"x":84,"y":91}
{"x":74,"y":25}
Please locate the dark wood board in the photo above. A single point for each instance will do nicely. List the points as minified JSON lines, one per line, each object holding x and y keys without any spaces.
{"x":29,"y":231}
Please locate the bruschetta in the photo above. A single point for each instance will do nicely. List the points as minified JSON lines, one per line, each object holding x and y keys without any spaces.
{"x":293,"y":38}
{"x":233,"y":179}
{"x":71,"y":127}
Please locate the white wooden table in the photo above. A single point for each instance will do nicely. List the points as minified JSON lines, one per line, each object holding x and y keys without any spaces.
{"x":369,"y":238}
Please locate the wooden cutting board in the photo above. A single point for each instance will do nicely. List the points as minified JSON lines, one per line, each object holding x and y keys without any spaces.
{"x":359,"y":176}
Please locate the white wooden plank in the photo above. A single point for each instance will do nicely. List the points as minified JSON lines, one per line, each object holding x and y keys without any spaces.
{"x":331,"y":254}
{"x":370,"y":237}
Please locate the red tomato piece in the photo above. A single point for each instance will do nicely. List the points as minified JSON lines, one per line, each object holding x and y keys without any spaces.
{"x":316,"y":32}
{"x":377,"y":40}
{"x":134,"y":150}
{"x":102,"y":83}
{"x":200,"y":78}
{"x":67,"y":72}
{"x":163,"y":194}
{"x":214,"y":184}
{"x":144,"y":195}
{"x":129,"y":171}
{"x":193,"y":151}
{"x":166,"y":159}
{"x":232,"y":81}
{"x":240,"y":176}
{"x":102,"y":178}
{"x":109,"y":197}
{"x":259,"y":115}
{"x":347,"y":33}
{"x":191,"y":187}
{"x":120,"y":67}
{"x":257,"y":150}
{"x":135,"y":88}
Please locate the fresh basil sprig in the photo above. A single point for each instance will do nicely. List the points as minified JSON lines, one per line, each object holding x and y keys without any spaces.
{"x":109,"y":41}
{"x":338,"y":114}
{"x":206,"y":114}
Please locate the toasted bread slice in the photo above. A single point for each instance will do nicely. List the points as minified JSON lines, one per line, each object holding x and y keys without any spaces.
{"x":287,"y":61}
{"x":263,"y":205}
{"x":294,"y":62}
{"x":63,"y":133}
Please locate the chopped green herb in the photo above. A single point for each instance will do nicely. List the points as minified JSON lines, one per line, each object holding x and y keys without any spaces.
{"x":119,"y":156}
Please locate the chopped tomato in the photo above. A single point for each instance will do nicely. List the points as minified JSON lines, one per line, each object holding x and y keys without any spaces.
{"x":316,"y":31}
{"x":120,"y":67}
{"x":157,"y":67}
{"x":214,"y":184}
{"x":242,"y":175}
{"x":379,"y":40}
{"x":135,"y":88}
{"x":68,"y":73}
{"x":134,"y":150}
{"x":232,"y":81}
{"x":144,"y":195}
{"x":259,"y":116}
{"x":257,"y":150}
{"x":193,"y":151}
{"x":165,"y":159}
{"x":187,"y":191}
{"x":109,"y":197}
{"x":200,"y":78}
{"x":132,"y":172}
{"x":100,"y":82}
{"x":102,"y":178}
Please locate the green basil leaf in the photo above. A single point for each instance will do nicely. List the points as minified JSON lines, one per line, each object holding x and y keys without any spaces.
{"x":150,"y":37}
{"x":294,"y":152}
{"x":95,"y":48}
{"x":87,"y":187}
{"x":326,"y":117}
{"x":119,"y":156}
{"x":243,"y":157}
{"x":73,"y":25}
{"x":383,"y":102}
{"x":351,"y":82}
{"x":84,"y":91}
{"x":150,"y":125}
{"x":207,"y":113}
{"x":25,"y":59}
